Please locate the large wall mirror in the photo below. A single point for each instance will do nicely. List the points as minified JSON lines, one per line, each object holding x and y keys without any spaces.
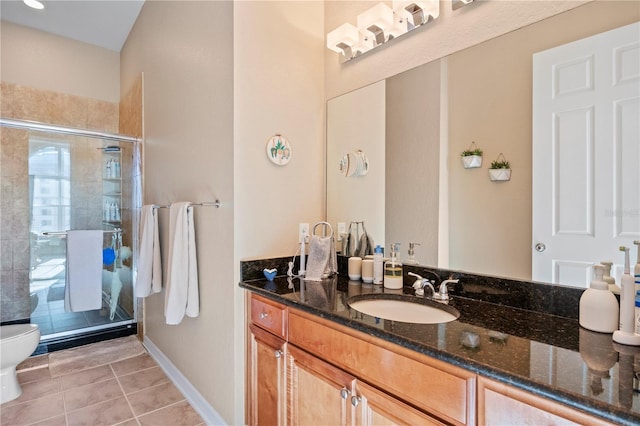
{"x":415,"y":124}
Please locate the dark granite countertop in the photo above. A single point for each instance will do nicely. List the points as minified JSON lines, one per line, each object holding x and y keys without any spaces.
{"x":549,"y":355}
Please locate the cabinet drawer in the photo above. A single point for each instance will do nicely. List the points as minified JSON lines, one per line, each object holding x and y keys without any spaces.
{"x":269,"y":315}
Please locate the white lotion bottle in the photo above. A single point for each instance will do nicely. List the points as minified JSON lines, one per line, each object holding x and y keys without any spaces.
{"x":599,"y":309}
{"x":626,"y":334}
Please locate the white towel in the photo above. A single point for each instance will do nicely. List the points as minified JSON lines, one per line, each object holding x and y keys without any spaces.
{"x":149,"y":263}
{"x":322,"y":258}
{"x":83,"y":289}
{"x":181,"y":296}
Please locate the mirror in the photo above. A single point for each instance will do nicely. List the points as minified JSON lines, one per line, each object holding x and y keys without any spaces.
{"x":419,"y":191}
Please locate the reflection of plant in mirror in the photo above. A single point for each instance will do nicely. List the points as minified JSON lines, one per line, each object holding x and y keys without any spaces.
{"x":500,"y":164}
{"x":469,"y":152}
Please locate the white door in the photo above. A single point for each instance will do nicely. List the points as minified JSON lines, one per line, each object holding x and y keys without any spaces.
{"x":586,"y":155}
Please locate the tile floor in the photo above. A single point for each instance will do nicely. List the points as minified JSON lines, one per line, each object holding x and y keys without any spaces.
{"x":128,"y":392}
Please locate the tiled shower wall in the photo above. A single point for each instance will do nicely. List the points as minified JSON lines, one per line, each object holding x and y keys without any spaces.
{"x":28,"y":103}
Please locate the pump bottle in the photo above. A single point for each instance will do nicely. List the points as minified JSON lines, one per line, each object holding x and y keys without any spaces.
{"x":611,"y":281}
{"x":393,"y":270}
{"x":411,"y":260}
{"x":599,"y":309}
{"x":626,"y":333}
{"x":377,"y":265}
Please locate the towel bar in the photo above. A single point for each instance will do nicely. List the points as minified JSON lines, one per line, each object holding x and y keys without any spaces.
{"x":215,"y":204}
{"x":63,"y":234}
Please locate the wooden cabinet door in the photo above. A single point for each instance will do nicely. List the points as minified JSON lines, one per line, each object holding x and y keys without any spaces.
{"x":267,"y":381}
{"x":319,"y":393}
{"x":371,"y":407}
{"x":499,"y":404}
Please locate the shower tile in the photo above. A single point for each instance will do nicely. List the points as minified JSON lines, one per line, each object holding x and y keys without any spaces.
{"x":142,"y":380}
{"x":93,"y":375}
{"x":6,"y":255}
{"x":102,"y":115}
{"x":94,"y":393}
{"x":32,"y":411}
{"x":21,"y":254}
{"x":154,"y":398}
{"x":6,"y":99}
{"x":177,"y":414}
{"x":106,"y":413}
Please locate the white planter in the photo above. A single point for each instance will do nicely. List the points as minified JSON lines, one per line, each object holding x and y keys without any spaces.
{"x":472,"y":161}
{"x":499,"y":174}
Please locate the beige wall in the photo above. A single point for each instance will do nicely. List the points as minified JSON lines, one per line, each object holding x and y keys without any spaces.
{"x":26,"y":53}
{"x":412,"y":160}
{"x":278,"y":74}
{"x":185,"y":50}
{"x":454,"y":30}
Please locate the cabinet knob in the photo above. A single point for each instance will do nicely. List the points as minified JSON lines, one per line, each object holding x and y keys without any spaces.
{"x":355,"y":400}
{"x":263,"y":315}
{"x":344,"y":393}
{"x":278,"y":353}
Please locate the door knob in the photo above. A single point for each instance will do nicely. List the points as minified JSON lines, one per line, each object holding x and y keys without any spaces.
{"x":540,"y":247}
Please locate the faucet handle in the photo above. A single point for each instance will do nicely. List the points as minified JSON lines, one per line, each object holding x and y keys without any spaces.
{"x":443,"y":290}
{"x":418,"y":282}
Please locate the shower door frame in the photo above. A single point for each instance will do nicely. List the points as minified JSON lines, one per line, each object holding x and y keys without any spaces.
{"x":48,"y":342}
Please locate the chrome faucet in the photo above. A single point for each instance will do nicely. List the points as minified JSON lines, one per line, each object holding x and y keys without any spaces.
{"x":441,"y":295}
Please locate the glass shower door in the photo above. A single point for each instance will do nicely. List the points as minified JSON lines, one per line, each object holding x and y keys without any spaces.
{"x":79,"y":183}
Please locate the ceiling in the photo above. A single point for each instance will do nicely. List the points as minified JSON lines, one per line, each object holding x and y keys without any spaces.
{"x":104,"y":23}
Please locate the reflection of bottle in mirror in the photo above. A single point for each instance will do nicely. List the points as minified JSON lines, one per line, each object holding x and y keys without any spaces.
{"x":411,"y":259}
{"x":377,"y":265}
{"x":393,"y":270}
{"x":608,"y":278}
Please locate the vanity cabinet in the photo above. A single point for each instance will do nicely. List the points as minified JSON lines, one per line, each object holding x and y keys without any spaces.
{"x":336,"y":375}
{"x":499,"y":403}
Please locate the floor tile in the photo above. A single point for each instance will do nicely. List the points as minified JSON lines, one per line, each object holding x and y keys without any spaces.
{"x":180,"y":414}
{"x":154,"y":398}
{"x":130,"y":422}
{"x":91,"y":394}
{"x":34,"y":362}
{"x":26,"y":376}
{"x":86,"y":377}
{"x":142,"y":379}
{"x":105,"y":413}
{"x":35,"y":390}
{"x":53,"y":421}
{"x":130,"y":365}
{"x":32,"y":411}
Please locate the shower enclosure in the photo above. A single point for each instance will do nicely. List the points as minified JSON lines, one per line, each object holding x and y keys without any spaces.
{"x":67,"y":179}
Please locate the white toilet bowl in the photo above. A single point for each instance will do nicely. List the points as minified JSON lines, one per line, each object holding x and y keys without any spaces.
{"x":17,"y":342}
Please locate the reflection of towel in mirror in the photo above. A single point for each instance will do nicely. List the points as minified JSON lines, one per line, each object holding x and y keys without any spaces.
{"x":149,"y":264}
{"x":322,"y":260}
{"x":181,"y":296}
{"x":83,"y":289}
{"x":365,"y":245}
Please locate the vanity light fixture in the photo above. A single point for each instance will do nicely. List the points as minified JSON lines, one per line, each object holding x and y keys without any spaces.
{"x":379,"y":25}
{"x":457,"y":4}
{"x":35,"y":4}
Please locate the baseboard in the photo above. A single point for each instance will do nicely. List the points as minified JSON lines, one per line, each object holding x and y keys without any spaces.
{"x":191,"y":394}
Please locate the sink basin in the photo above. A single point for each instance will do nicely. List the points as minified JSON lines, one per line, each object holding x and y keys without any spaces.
{"x":405,"y":309}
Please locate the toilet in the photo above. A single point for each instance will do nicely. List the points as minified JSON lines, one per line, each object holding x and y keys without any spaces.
{"x":17,"y":342}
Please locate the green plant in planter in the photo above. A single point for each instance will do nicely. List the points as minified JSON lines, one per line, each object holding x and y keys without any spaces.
{"x":470,"y":152}
{"x":500,"y":164}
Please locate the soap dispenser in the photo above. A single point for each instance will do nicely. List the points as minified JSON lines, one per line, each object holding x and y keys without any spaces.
{"x":599,"y":309}
{"x":393,"y":270}
{"x":626,"y":333}
{"x":411,"y":260}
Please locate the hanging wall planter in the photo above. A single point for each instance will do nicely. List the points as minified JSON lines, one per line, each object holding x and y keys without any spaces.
{"x":472,"y":157}
{"x":500,"y":169}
